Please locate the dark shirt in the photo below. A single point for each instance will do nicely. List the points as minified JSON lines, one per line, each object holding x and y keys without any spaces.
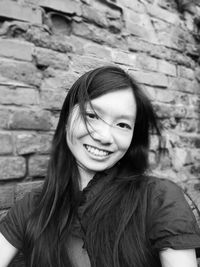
{"x":170,"y":221}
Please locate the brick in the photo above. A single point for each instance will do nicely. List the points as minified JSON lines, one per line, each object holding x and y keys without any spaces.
{"x":26,"y":187}
{"x":31,"y":120}
{"x":169,"y":123}
{"x":189,"y":140}
{"x":168,"y":35}
{"x":135,"y":44}
{"x":180,"y":158}
{"x":59,"y":81}
{"x":196,"y":154}
{"x":6,"y":146}
{"x":13,"y":10}
{"x":134,"y":5}
{"x":163,"y":111}
{"x":166,"y":68}
{"x":11,"y":83}
{"x":46,"y":57}
{"x":52,"y":100}
{"x":12,"y":167}
{"x":28,"y":143}
{"x":161,"y":52}
{"x":103,"y":16}
{"x":183,"y":85}
{"x":18,"y":96}
{"x":167,"y":4}
{"x":169,"y":54}
{"x":124,"y":58}
{"x":165,"y":96}
{"x":197,"y":141}
{"x":77,"y":44}
{"x":94,"y":16}
{"x":195,"y":170}
{"x":193,"y":112}
{"x":140,"y":32}
{"x":183,"y":98}
{"x":150,"y":78}
{"x":169,"y":111}
{"x":189,"y":20}
{"x":20,"y":71}
{"x":181,"y":58}
{"x":113,"y":10}
{"x":194,"y":87}
{"x":98,"y":35}
{"x":4,"y":118}
{"x":85,"y":63}
{"x":13,"y":28}
{"x":162,"y":14}
{"x":6,"y":196}
{"x":37,"y":165}
{"x":171,"y":140}
{"x":99,"y":51}
{"x":187,"y":73}
{"x":139,"y":25}
{"x":16,"y":49}
{"x":146,"y":62}
{"x":115,"y":25}
{"x":194,"y":100}
{"x":83,"y":29}
{"x":187,"y":125}
{"x":65,"y":6}
{"x":42,"y":38}
{"x":181,"y":111}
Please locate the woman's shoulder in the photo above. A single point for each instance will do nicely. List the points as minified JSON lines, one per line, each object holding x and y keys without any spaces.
{"x":164,"y":192}
{"x":28,"y":200}
{"x":160,"y":185}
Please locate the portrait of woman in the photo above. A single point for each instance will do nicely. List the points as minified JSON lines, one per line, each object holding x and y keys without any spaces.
{"x":99,"y":206}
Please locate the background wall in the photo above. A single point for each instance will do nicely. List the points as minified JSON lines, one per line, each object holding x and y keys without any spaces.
{"x":45,"y":45}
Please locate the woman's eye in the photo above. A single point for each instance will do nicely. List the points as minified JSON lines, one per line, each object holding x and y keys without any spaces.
{"x":124,"y":125}
{"x":92,"y":115}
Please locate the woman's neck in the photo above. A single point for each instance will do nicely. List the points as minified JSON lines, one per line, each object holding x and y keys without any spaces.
{"x":85,"y":177}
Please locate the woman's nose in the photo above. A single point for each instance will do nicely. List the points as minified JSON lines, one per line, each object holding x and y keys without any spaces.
{"x":103,"y":135}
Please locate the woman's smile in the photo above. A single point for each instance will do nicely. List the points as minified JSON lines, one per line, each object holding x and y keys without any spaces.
{"x":97,"y":152}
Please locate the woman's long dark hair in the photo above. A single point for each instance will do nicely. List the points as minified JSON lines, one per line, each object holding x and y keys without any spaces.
{"x":49,"y":224}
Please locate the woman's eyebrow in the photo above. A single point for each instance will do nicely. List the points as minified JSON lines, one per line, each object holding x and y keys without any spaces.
{"x":127,"y":117}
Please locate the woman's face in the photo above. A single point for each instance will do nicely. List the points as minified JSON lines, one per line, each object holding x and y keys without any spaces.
{"x":111,"y":121}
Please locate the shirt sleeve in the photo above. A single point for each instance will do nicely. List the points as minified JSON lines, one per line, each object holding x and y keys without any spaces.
{"x":171,"y":221}
{"x":13,"y":225}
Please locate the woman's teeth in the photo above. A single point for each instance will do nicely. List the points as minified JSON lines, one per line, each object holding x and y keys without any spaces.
{"x":96,"y":151}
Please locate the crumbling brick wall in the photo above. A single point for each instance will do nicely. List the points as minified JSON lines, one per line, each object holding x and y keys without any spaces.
{"x":46,"y":44}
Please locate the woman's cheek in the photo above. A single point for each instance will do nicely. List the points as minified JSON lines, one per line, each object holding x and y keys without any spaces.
{"x":124,"y":142}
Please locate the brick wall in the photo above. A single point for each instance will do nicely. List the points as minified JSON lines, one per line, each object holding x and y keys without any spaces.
{"x":46,"y":44}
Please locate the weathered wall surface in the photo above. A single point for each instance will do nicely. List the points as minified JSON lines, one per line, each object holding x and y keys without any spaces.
{"x":46,"y":44}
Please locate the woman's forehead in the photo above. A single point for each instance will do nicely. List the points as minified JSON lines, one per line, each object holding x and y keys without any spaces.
{"x":120,"y":103}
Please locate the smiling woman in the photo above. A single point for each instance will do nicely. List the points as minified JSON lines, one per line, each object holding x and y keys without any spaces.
{"x":98,"y":206}
{"x":105,"y":139}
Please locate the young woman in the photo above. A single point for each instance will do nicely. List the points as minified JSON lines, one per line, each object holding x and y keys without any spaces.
{"x":98,"y":207}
